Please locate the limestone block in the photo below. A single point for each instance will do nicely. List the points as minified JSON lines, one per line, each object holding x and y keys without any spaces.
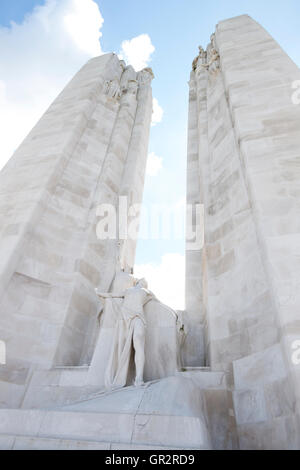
{"x":250,"y":406}
{"x":280,"y":399}
{"x":259,"y":368}
{"x":278,"y":434}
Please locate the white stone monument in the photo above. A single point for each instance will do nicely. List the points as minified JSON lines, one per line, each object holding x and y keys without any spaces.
{"x":88,"y":150}
{"x":121,"y":370}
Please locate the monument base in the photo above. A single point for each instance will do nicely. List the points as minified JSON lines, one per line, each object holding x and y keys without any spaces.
{"x":171,"y":413}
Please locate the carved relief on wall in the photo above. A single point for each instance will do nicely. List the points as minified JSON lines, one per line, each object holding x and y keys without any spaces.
{"x":214,"y":63}
{"x":213,"y":55}
{"x":112,"y":89}
{"x":201,"y":58}
{"x":200,"y":62}
{"x":207,"y":60}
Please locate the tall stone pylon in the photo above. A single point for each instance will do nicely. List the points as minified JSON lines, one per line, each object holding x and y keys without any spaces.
{"x":243,"y":283}
{"x":88,"y":149}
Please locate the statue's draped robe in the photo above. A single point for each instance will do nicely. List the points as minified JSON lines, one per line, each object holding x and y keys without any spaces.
{"x":112,"y":363}
{"x":119,"y":360}
{"x":118,"y":363}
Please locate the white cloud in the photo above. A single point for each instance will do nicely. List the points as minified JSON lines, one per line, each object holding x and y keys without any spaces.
{"x":157,"y":113}
{"x":38,"y":58}
{"x":137,"y":51}
{"x":166,"y":280}
{"x":154,"y":164}
{"x":2,"y":93}
{"x":83,"y":24}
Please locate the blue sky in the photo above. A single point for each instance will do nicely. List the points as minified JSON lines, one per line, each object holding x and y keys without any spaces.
{"x":176,"y":28}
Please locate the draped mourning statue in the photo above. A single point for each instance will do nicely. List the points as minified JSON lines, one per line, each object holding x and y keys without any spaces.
{"x":127,"y":306}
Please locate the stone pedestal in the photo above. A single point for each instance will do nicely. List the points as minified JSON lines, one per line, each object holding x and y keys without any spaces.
{"x":171,"y":413}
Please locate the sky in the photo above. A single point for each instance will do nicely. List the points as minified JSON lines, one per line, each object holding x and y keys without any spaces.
{"x":43,"y":43}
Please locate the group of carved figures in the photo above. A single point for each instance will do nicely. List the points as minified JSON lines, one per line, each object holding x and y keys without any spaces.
{"x":115,"y":88}
{"x":209,"y":59}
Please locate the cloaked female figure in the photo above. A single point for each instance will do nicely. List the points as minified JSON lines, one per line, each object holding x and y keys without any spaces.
{"x":129,"y":333}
